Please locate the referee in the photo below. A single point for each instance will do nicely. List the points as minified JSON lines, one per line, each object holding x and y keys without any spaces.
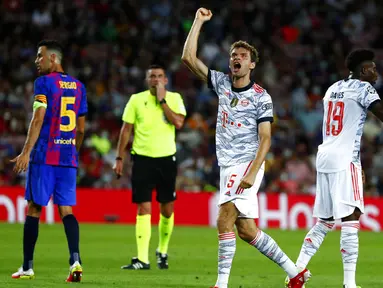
{"x":154,"y":114}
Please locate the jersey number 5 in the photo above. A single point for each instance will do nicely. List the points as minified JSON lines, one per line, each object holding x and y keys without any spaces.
{"x":334,"y":123}
{"x":231,"y":180}
{"x":65,"y":101}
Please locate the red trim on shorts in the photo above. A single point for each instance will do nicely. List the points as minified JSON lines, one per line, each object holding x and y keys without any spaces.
{"x":355,"y":184}
{"x":240,"y":189}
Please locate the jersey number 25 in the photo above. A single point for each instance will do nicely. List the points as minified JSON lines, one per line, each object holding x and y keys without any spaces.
{"x":334,"y":122}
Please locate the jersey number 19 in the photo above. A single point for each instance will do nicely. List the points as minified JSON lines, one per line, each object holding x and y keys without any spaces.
{"x":334,"y":122}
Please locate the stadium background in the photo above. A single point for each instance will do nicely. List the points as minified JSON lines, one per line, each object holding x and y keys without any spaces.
{"x":108,"y":46}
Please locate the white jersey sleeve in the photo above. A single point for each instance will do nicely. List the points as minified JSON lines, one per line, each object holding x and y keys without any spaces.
{"x":345,"y":112}
{"x":265,"y":108}
{"x":215,"y":79}
{"x":367,"y":95}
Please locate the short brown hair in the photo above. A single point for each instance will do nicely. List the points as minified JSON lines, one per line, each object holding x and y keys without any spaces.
{"x":243,"y":44}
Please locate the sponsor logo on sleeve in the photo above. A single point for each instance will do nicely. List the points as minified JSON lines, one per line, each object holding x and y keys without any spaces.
{"x":267,"y":106}
{"x":371,"y":90}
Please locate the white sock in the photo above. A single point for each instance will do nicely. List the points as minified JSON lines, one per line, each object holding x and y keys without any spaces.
{"x":349,"y":247}
{"x":313,"y":241}
{"x":268,"y":247}
{"x":226,"y":251}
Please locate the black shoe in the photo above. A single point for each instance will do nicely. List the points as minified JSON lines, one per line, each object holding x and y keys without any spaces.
{"x":162,"y":260}
{"x":136,"y":265}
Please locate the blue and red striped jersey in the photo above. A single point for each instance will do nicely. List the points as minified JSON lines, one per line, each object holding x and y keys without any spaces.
{"x":65,"y":99}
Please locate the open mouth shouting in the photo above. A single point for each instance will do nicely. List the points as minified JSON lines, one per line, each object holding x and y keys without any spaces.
{"x":236,"y":67}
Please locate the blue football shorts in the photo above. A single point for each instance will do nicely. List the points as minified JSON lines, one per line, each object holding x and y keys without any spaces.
{"x":45,"y":181}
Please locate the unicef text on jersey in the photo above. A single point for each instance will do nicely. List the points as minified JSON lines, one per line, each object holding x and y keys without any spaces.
{"x":61,"y":141}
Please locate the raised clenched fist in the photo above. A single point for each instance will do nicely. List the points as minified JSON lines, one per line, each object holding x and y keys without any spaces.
{"x":203,"y":14}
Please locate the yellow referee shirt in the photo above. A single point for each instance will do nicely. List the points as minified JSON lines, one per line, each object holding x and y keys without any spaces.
{"x":154,"y":136}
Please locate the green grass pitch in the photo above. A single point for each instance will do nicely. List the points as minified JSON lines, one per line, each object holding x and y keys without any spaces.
{"x":192,"y":259}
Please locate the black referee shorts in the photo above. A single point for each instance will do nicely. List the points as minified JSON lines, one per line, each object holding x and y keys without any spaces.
{"x":154,"y":173}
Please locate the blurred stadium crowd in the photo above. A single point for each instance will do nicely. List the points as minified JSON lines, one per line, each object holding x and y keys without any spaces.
{"x":109,"y":44}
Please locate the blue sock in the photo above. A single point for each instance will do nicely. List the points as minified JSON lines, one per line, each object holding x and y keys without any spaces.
{"x":31,"y":232}
{"x":73,"y":236}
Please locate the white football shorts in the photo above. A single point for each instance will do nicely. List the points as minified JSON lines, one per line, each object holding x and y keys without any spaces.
{"x":339,"y":193}
{"x":246,"y":200}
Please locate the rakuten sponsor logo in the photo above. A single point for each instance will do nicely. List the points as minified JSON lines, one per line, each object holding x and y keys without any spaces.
{"x":16,"y":209}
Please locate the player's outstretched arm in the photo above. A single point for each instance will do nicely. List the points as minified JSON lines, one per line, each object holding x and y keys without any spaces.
{"x":80,"y":131}
{"x":377,"y":109}
{"x":264,"y":132}
{"x":189,"y":55}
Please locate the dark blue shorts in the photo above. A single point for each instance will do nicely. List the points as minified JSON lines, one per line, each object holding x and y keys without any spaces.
{"x":44,"y":181}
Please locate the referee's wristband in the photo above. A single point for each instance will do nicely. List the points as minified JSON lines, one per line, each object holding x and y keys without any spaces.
{"x":119,"y":158}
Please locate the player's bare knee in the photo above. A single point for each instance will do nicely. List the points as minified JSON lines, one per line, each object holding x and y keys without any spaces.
{"x":224,"y":225}
{"x":167,"y":209}
{"x":144,"y":208}
{"x":227,"y":216}
{"x":34,"y":209}
{"x":64,"y":211}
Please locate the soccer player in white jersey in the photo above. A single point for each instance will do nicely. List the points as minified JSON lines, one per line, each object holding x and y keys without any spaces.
{"x":243,"y":136}
{"x":339,"y":192}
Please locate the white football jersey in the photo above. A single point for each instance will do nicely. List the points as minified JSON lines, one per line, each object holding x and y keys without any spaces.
{"x":240,"y":110}
{"x":345,"y":111}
